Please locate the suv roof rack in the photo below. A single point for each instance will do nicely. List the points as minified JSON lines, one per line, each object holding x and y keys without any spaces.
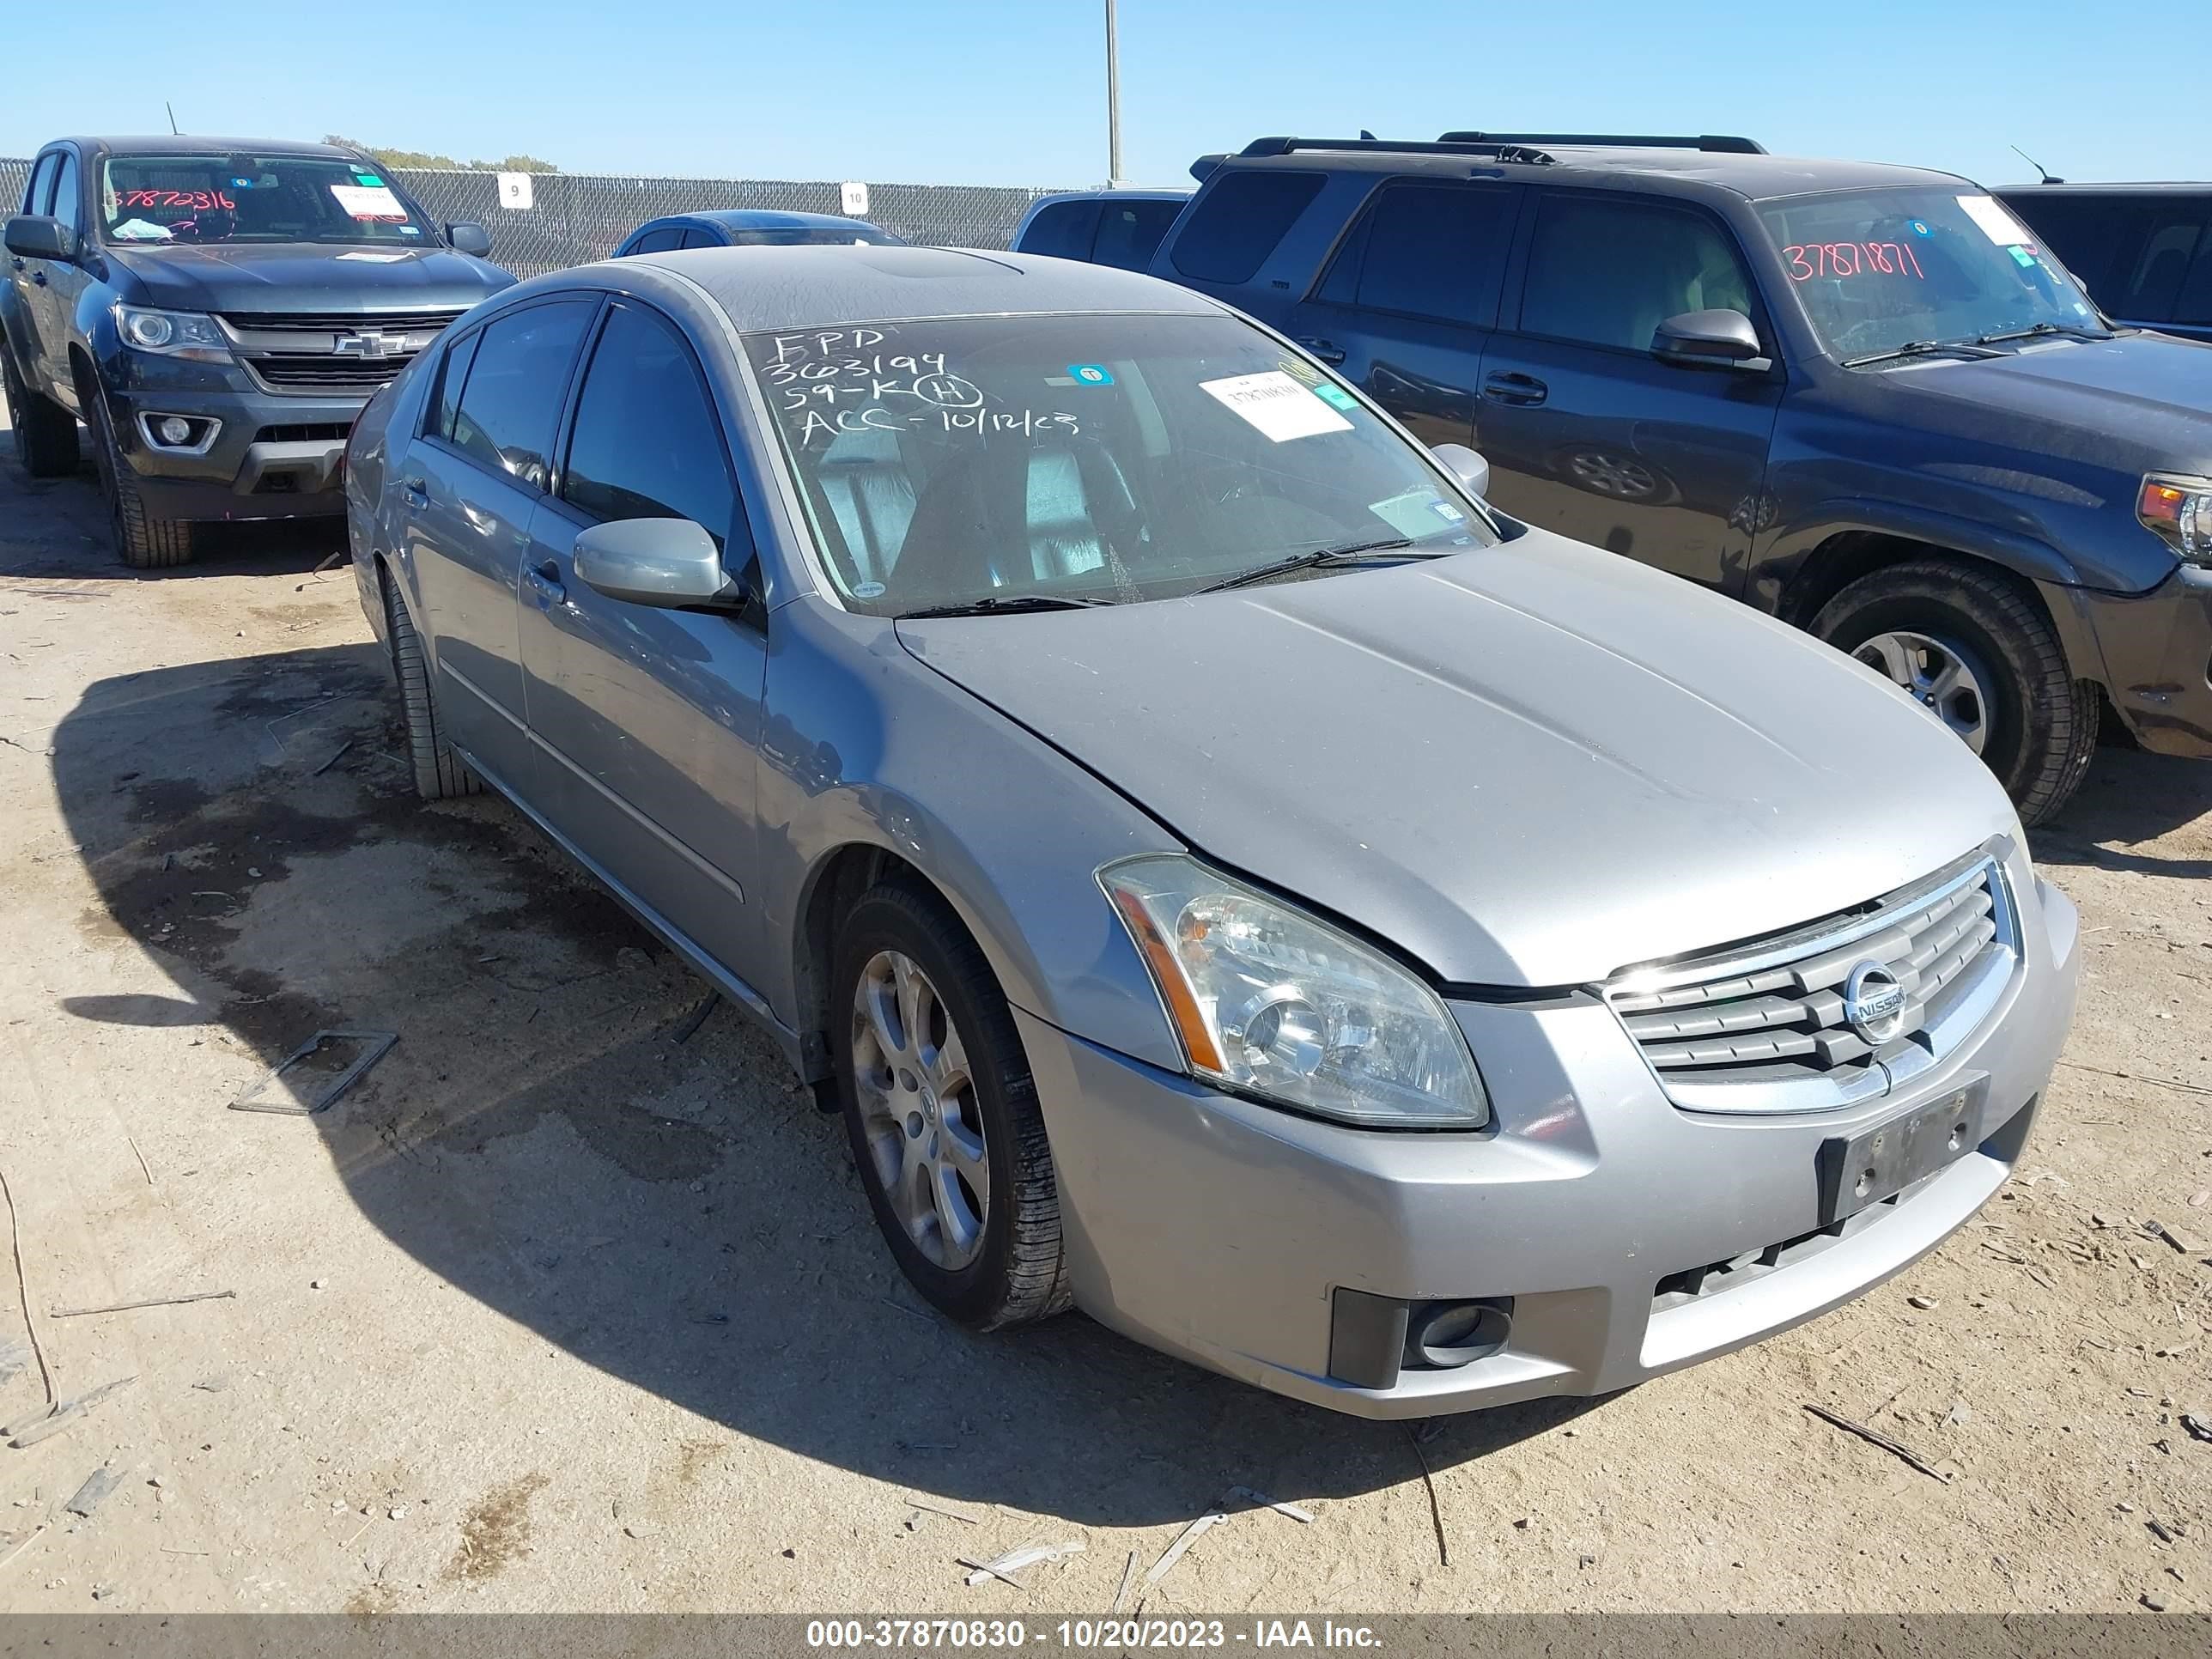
{"x":1493,"y":149}
{"x":1714,"y":143}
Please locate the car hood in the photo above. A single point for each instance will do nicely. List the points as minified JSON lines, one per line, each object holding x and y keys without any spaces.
{"x":1526,"y":765}
{"x":305,"y":276}
{"x":2139,"y":402}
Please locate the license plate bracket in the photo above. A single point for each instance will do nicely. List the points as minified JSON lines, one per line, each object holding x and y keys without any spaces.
{"x":1857,"y":1170}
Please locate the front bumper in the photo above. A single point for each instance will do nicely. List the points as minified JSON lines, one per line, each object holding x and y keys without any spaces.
{"x":272,"y":457}
{"x":1221,"y":1230}
{"x":2157,"y":648}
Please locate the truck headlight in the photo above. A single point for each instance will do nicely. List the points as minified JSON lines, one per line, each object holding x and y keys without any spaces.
{"x":191,"y":335}
{"x":2180,"y":512}
{"x":1279,"y":1004}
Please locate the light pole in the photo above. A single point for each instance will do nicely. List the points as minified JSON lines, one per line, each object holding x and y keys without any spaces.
{"x":1113,"y":99}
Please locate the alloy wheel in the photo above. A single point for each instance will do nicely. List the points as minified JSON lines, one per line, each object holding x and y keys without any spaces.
{"x":1939,"y":675}
{"x":919,"y":1112}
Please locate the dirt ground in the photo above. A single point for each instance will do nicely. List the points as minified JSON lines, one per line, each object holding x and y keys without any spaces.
{"x":554,"y":1311}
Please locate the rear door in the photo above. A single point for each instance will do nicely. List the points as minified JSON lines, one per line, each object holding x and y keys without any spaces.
{"x":469,"y":487}
{"x":1586,"y":432}
{"x":1407,"y":302}
{"x":647,"y":721}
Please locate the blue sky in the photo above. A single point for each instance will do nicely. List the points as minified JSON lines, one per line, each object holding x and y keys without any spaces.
{"x":989,"y":92}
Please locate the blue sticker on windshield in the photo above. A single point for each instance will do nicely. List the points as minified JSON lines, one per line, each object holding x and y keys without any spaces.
{"x":242,"y":183}
{"x":1091,"y":373}
{"x":368,"y":179}
{"x":1920,"y":227}
{"x":1335,"y":396}
{"x":410,"y":230}
{"x":2020,"y":256}
{"x":868,"y":589}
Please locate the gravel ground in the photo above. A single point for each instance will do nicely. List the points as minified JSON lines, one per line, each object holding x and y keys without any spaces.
{"x":553,"y":1311}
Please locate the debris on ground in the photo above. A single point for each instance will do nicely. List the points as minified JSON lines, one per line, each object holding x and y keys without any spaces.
{"x":29,"y":1431}
{"x":1189,"y":1535}
{"x":1922,"y":1303}
{"x":23,"y":1543}
{"x":2198,"y":1429}
{"x":94,"y":1492}
{"x":150,"y":1302}
{"x":1875,"y":1438}
{"x":936,"y":1507}
{"x":1006,"y":1566}
{"x":1260,"y":1500}
{"x":1128,"y":1578}
{"x":689,"y":1029}
{"x":14,"y":1356}
{"x":2180,"y":1242}
{"x":372,"y":1048}
{"x":1428,"y":1480}
{"x":333,"y":760}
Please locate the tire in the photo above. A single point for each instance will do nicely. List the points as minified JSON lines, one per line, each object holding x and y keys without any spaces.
{"x":45,"y":433}
{"x":1014,"y":1271}
{"x":143,"y":542}
{"x":439,"y":773}
{"x":2039,"y":722}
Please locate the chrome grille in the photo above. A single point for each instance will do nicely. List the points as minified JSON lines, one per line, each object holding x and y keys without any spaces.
{"x":332,"y":353}
{"x":1762,"y":1027}
{"x":338,"y":322}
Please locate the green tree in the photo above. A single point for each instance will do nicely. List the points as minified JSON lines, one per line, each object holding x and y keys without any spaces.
{"x":419,"y":158}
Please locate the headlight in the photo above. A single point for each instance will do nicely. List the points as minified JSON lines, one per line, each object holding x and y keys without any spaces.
{"x":1274,"y":1002}
{"x":2179,"y":510}
{"x":187,"y":334}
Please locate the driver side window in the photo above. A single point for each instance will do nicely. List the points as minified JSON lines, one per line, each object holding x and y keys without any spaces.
{"x":1607,"y":272}
{"x":68,"y":207}
{"x":646,"y":443}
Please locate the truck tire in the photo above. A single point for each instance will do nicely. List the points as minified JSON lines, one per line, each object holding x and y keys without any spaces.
{"x":143,"y":542}
{"x":440,"y":772}
{"x":943,"y":1112}
{"x":1976,"y":649}
{"x":45,"y":433}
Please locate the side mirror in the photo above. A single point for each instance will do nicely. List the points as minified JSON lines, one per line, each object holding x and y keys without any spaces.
{"x":1463,"y":464}
{"x":469,"y":237}
{"x":1713,"y":338}
{"x":672,"y":563}
{"x":34,"y":236}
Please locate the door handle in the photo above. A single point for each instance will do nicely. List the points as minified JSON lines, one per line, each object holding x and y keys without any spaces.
{"x":414,"y":495}
{"x":1328,"y":350}
{"x":1524,"y":390}
{"x":545,"y":577}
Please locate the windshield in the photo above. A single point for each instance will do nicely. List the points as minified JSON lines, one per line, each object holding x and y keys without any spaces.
{"x":1877,"y":269}
{"x":810,"y":236}
{"x":1103,"y":459}
{"x":253,"y":198}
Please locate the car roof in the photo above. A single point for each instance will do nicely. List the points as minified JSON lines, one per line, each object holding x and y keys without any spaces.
{"x":1757,"y":178}
{"x":796,"y":288}
{"x":768,"y":219}
{"x":1114,"y":193}
{"x":172,"y":143}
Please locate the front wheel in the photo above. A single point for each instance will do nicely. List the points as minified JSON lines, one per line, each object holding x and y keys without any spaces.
{"x":141,"y":541}
{"x":943,"y":1114}
{"x":1971,"y":648}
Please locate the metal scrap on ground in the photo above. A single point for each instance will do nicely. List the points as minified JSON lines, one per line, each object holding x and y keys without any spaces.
{"x":1006,"y":1566}
{"x":29,"y":1431}
{"x":1128,"y":1578}
{"x":1874,"y":1437}
{"x":150,"y":1302}
{"x":1189,"y":1535}
{"x":1262,"y":1501}
{"x":372,"y":1047}
{"x":94,"y":1492}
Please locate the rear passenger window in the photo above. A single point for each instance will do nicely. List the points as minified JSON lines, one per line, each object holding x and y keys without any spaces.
{"x":512,"y":401}
{"x":1235,"y":225}
{"x":1130,"y":232}
{"x":451,"y":377}
{"x":700,"y":239}
{"x":1427,"y":251}
{"x":1607,"y":272}
{"x":663,"y":241}
{"x":1062,"y":231}
{"x":2195,"y":305}
{"x":646,"y":443}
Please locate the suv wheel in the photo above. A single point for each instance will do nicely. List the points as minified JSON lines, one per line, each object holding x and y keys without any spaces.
{"x":943,"y":1114}
{"x":142,"y":541}
{"x":45,"y":433}
{"x":1973,"y":649}
{"x":439,"y":773}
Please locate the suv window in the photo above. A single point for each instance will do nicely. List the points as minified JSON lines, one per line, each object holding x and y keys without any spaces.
{"x":1607,"y":272}
{"x":646,"y":443}
{"x":1129,"y":231}
{"x":1427,"y":251}
{"x":700,"y":238}
{"x":69,"y":200}
{"x":1062,"y":231}
{"x":2085,"y":232}
{"x":512,"y":401}
{"x":668,"y":237}
{"x":1237,"y":223}
{"x":2154,"y":287}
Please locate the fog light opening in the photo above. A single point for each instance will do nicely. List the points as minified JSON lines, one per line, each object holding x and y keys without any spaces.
{"x":1445,"y":1335}
{"x":183,"y":434}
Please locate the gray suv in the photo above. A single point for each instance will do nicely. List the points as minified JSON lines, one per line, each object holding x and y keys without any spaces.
{"x":1229,"y":880}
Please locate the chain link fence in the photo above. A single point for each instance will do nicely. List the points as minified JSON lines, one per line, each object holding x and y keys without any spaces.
{"x":574,"y":218}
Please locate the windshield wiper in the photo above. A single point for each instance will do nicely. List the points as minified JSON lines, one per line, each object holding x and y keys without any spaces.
{"x":1000,"y":604}
{"x":1320,"y":559}
{"x":2042,"y":331}
{"x":1975,"y":350}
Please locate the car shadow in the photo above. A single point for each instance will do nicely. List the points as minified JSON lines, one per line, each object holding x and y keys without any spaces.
{"x":2131,"y":799}
{"x":550,"y":1137}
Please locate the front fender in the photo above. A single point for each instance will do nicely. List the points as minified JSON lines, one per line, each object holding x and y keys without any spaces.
{"x":865,"y":747}
{"x":1789,"y":546}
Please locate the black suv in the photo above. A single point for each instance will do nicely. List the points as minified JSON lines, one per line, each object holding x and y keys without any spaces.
{"x":1862,"y":398}
{"x":2144,"y":252}
{"x":217,"y":311}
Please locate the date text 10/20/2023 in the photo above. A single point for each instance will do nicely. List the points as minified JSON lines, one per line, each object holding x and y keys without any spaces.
{"x":989,"y":1635}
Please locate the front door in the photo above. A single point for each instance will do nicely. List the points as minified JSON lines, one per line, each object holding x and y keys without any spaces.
{"x":1586,"y":432}
{"x":33,"y":280}
{"x":66,"y":279}
{"x":471,"y":486}
{"x":646,"y":721}
{"x":1408,"y":302}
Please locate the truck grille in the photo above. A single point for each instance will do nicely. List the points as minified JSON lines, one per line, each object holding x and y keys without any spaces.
{"x":331,"y":352}
{"x":1764,"y":1026}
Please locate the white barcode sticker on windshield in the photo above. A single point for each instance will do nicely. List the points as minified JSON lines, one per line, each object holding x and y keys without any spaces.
{"x":1999,"y":225}
{"x":370,"y":202}
{"x":1277,"y":406}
